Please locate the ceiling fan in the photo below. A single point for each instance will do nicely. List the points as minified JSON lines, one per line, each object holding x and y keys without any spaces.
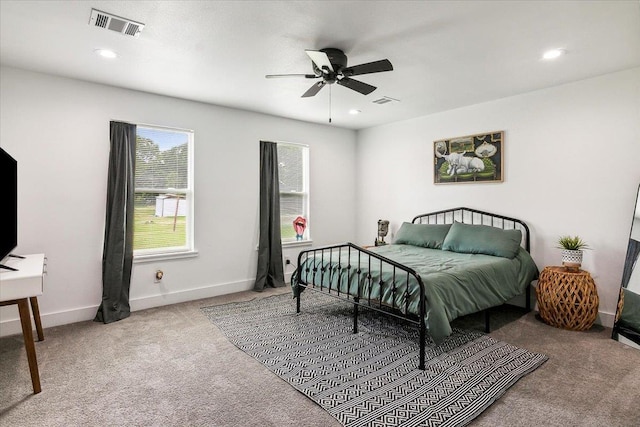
{"x":330,"y":65}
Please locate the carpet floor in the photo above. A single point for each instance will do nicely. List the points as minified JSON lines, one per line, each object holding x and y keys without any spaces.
{"x":372,"y":378}
{"x":170,"y":366}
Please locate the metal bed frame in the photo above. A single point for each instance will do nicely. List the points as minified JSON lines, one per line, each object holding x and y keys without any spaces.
{"x":306,"y":276}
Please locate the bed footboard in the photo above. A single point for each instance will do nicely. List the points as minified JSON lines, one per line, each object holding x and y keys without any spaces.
{"x":363,"y":278}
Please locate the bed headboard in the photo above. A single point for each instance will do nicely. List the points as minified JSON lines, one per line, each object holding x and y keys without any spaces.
{"x":473,"y":216}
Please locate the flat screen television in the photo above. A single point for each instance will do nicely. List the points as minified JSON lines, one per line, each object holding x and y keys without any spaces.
{"x":9,"y":197}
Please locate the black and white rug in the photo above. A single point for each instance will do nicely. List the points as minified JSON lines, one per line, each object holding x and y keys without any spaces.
{"x":372,"y":378}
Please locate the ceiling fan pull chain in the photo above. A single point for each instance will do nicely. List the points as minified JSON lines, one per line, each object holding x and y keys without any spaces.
{"x":329,"y":103}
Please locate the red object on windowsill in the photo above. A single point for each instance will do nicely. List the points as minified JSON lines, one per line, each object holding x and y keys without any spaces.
{"x":299,"y":225}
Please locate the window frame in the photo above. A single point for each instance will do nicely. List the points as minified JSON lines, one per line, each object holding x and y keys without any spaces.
{"x":305,"y":192}
{"x":173,"y":252}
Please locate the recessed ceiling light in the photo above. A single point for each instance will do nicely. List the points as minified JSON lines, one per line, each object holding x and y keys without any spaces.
{"x":553,"y":53}
{"x":354,"y":111}
{"x":106,"y":53}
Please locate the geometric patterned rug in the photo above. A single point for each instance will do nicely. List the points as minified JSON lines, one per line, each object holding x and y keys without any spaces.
{"x":372,"y":378}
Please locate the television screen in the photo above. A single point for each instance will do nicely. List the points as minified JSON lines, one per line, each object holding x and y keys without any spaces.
{"x":9,"y":196}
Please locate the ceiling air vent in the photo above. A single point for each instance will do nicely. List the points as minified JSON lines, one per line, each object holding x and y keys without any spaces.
{"x":115,"y":23}
{"x":384,"y":100}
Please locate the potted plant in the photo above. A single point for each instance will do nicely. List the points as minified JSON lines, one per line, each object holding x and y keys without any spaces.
{"x":572,"y":248}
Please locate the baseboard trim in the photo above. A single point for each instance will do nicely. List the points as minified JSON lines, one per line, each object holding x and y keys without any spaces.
{"x":605,"y":319}
{"x":12,"y":326}
{"x":190,"y":294}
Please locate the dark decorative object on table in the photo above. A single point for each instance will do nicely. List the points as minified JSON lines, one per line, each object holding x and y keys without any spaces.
{"x":383,"y":229}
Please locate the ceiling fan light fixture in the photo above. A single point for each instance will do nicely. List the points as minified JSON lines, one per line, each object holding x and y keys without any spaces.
{"x":330,"y":65}
{"x":553,"y":54}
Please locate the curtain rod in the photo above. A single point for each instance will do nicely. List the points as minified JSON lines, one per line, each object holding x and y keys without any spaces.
{"x":287,"y":143}
{"x":153,"y":126}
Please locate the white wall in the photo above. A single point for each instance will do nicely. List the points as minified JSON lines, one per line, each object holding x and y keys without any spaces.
{"x":572,"y":166}
{"x":571,"y":156}
{"x":58,"y":130}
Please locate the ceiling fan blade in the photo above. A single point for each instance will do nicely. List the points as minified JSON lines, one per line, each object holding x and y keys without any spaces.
{"x":313,"y":89}
{"x":356,"y":85}
{"x":368,"y":68}
{"x":277,"y":76}
{"x":320,"y":59}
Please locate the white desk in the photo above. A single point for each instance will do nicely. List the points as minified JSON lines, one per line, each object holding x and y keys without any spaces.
{"x":21,"y":287}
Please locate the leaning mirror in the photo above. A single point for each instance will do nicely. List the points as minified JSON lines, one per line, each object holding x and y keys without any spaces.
{"x":627,"y":321}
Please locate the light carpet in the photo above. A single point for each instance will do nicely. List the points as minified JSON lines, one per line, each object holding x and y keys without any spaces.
{"x":371,"y":378}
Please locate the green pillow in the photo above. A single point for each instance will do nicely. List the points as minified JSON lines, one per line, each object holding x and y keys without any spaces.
{"x":482,"y":239}
{"x":424,"y":235}
{"x":630,"y":316}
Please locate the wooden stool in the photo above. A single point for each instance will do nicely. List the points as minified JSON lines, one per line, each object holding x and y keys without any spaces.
{"x":567,"y":299}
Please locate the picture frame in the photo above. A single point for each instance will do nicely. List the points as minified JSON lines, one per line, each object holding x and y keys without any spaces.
{"x":469,"y":159}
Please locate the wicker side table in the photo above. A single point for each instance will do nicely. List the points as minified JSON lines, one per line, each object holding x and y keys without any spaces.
{"x":567,"y":299}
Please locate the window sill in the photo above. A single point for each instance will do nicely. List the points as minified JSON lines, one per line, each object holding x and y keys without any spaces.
{"x":292,"y":244}
{"x":297,"y":243}
{"x":139,"y":259}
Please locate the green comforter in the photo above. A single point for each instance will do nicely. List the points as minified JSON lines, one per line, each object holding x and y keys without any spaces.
{"x":455,"y":284}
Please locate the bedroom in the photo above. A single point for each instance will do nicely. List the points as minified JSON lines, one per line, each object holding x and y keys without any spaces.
{"x":557,"y":137}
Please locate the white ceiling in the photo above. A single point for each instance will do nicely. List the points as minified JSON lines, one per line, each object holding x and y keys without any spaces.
{"x":445,"y":54}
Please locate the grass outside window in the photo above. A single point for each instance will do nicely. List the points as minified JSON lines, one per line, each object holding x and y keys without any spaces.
{"x":152,"y":232}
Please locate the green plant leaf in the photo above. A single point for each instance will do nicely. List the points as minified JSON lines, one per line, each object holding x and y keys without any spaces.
{"x":573,"y":243}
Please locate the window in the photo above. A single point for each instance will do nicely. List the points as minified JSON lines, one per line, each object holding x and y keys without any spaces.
{"x":293,"y":173}
{"x":163,"y":208}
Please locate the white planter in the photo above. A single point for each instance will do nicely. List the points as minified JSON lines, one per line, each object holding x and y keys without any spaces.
{"x":571,"y":258}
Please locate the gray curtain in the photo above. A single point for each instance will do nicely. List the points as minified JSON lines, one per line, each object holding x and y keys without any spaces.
{"x":270,"y":271}
{"x":117,"y":255}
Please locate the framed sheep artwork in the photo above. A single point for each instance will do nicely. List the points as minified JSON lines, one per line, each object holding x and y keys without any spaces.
{"x":469,"y":159}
